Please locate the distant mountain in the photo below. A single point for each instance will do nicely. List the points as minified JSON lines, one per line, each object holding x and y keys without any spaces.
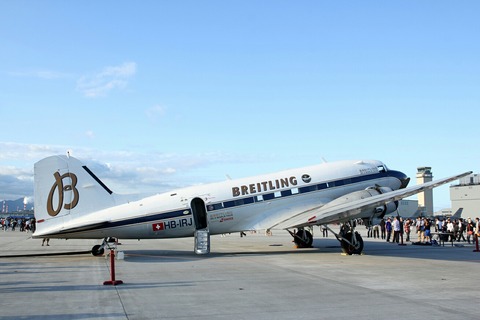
{"x":14,"y":205}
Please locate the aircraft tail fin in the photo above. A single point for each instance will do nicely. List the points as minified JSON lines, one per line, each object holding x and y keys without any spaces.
{"x":65,"y":189}
{"x":457,"y":214}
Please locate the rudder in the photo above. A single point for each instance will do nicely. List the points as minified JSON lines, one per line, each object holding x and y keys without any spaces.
{"x":65,"y":189}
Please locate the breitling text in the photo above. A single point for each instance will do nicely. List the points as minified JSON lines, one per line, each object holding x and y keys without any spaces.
{"x":264,"y":186}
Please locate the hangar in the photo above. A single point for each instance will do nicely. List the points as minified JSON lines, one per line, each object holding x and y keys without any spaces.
{"x":466,"y":195}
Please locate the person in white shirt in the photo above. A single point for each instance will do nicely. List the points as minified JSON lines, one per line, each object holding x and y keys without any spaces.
{"x":396,"y":230}
{"x":451,"y":229}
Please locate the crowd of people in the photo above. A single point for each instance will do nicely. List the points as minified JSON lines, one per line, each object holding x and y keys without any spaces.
{"x":20,"y":224}
{"x":392,"y":229}
{"x":397,"y":229}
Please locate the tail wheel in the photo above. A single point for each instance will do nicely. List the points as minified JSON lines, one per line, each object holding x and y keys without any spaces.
{"x":303,"y":239}
{"x":98,"y":250}
{"x":357,"y":246}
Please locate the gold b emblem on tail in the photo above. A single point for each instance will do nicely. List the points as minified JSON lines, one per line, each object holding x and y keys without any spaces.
{"x":61,"y":188}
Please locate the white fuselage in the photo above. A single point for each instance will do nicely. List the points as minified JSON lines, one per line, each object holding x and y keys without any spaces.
{"x":253,"y":203}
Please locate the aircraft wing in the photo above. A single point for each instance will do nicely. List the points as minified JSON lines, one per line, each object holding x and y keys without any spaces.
{"x":351,"y":210}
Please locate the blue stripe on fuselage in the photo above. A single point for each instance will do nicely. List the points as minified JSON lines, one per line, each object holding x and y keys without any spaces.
{"x":131,"y":221}
{"x":150,"y":218}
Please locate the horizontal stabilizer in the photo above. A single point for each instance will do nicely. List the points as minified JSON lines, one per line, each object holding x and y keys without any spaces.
{"x":69,"y":229}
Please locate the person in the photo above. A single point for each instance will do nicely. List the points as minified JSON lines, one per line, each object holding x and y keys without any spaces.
{"x":382,"y":228}
{"x":388,"y":229}
{"x":401,"y":228}
{"x":426,"y":227}
{"x":419,"y":228}
{"x":461,"y":230}
{"x":451,"y":229}
{"x":470,"y":228}
{"x":407,"y":230}
{"x":324,"y":231}
{"x":455,"y":229}
{"x":396,"y":230}
{"x":369,"y":231}
{"x":47,"y":240}
{"x":438,"y":225}
{"x":376,"y":231}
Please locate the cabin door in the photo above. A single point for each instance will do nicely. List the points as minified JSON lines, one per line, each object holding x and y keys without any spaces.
{"x":199,"y":213}
{"x":202,"y":235}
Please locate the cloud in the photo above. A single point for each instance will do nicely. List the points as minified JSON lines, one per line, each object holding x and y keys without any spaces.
{"x":42,"y":74}
{"x":156,"y":112}
{"x":15,"y":182}
{"x":110,"y":78}
{"x":121,"y":171}
{"x":90,"y":134}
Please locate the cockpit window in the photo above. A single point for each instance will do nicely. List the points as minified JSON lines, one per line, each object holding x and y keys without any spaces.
{"x":382,"y":168}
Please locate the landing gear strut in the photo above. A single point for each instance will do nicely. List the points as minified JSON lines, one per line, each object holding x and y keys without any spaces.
{"x":350,"y":240}
{"x":302,"y":238}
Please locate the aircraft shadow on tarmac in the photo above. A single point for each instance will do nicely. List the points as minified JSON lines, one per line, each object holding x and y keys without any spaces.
{"x":57,"y":286}
{"x":22,"y":268}
{"x":90,"y":315}
{"x":320,"y":246}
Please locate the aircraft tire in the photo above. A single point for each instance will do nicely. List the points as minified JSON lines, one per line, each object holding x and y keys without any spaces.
{"x":97,"y":250}
{"x":303,"y":239}
{"x":348,"y":248}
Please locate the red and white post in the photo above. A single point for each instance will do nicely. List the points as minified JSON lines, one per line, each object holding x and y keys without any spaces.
{"x":112,"y":281}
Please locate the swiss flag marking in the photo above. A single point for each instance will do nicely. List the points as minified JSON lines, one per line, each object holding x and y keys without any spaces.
{"x":158,"y":226}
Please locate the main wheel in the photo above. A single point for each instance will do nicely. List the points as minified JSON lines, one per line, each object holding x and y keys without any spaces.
{"x":352,"y":249}
{"x":97,"y":250}
{"x":303,"y":239}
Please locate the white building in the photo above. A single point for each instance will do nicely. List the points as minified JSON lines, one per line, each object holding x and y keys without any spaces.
{"x":407,"y":208}
{"x":466,"y":195}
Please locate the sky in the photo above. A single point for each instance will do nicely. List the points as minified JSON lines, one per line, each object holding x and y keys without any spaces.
{"x":155,"y":95}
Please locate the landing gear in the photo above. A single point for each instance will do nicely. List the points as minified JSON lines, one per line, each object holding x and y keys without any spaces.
{"x":350,"y":240}
{"x":353,"y":243}
{"x":99,"y":249}
{"x":302,"y":238}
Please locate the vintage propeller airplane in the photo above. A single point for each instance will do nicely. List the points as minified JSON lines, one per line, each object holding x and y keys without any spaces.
{"x":72,"y":202}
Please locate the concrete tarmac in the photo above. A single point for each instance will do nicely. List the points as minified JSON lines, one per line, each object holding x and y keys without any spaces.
{"x":253,"y":277}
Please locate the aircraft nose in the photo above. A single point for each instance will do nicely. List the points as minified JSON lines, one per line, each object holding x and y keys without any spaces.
{"x":404,"y":180}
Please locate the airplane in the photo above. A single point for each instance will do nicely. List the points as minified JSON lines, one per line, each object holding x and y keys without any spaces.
{"x":72,"y":202}
{"x":444,"y":216}
{"x":421,"y":214}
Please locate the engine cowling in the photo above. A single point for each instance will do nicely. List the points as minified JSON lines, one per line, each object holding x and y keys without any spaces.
{"x":369,"y":211}
{"x":389,"y":207}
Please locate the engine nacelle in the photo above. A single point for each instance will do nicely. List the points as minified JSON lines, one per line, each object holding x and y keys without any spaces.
{"x":381,"y":211}
{"x":369,"y":211}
